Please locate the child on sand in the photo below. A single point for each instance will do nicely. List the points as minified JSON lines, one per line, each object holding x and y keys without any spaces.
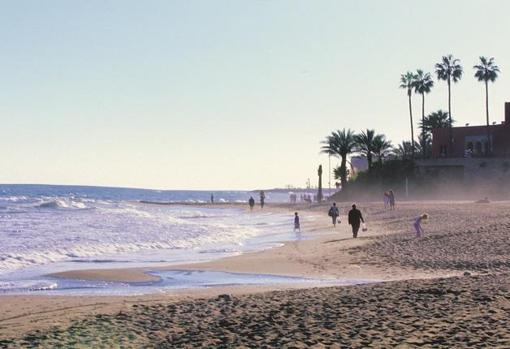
{"x":417,"y":224}
{"x":296,"y":222}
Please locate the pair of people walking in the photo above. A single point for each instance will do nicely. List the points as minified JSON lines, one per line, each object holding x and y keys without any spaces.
{"x":251,"y":201}
{"x":389,"y":200}
{"x":355,"y":218}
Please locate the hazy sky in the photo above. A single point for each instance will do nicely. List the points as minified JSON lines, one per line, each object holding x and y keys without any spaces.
{"x":223,"y":94}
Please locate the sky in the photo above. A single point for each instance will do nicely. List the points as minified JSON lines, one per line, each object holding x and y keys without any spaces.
{"x":224,"y":94}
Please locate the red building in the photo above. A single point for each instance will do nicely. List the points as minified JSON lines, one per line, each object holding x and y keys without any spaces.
{"x":471,"y":141}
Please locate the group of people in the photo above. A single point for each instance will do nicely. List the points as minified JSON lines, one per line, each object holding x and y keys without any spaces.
{"x":389,"y":200}
{"x":355,"y":219}
{"x":293,"y":198}
{"x":251,"y":201}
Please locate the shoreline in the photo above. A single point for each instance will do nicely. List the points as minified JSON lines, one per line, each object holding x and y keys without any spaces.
{"x":386,"y":252}
{"x":293,"y":258}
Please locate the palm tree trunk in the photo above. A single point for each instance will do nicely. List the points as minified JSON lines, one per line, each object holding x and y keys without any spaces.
{"x":412,"y":127}
{"x":487,"y":115}
{"x":423,"y":150}
{"x":343,"y":171}
{"x":450,"y":152}
{"x":329,"y":172}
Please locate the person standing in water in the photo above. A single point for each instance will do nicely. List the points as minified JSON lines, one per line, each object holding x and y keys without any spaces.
{"x":392,"y":199}
{"x":262,"y":199}
{"x":212,"y":199}
{"x":297,"y":226}
{"x":251,"y":202}
{"x":355,"y":219}
{"x":417,"y":224}
{"x":334,"y":213}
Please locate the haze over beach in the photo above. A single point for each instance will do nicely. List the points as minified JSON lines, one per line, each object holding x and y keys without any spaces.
{"x":120,"y":93}
{"x":255,"y":174}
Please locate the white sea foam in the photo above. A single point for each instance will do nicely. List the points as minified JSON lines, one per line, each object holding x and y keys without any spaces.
{"x":65,"y":228}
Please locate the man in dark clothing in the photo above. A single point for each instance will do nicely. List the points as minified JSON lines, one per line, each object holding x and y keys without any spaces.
{"x":355,"y":219}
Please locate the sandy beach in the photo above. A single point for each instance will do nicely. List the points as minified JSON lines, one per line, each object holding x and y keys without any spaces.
{"x":449,"y":288}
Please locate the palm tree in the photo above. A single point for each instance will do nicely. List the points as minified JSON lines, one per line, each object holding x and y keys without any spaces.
{"x":404,"y":150}
{"x":340,"y":144}
{"x":486,"y":71}
{"x":365,"y":145}
{"x":449,"y":69}
{"x":328,"y":148}
{"x":437,"y":119}
{"x":382,"y":147}
{"x":424,"y":143}
{"x":407,"y":81}
{"x":422,"y":85}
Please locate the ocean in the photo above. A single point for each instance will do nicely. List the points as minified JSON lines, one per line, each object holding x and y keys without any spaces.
{"x":48,"y":228}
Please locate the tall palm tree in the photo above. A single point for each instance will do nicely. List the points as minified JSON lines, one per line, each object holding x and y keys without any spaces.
{"x":365,"y":145}
{"x":407,"y":81}
{"x":328,"y":148}
{"x":487,"y":71}
{"x":422,"y":85}
{"x":449,"y":69}
{"x":437,"y":119}
{"x":382,"y":147}
{"x":340,"y":144}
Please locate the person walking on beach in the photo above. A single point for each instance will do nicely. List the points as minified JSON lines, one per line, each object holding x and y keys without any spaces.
{"x":334,"y":213}
{"x":297,"y":226}
{"x":355,"y":219}
{"x":386,"y":199}
{"x":262,"y":199}
{"x":392,"y":199}
{"x":417,"y":224}
{"x":251,"y":202}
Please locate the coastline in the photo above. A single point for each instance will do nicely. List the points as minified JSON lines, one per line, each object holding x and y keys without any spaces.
{"x":323,"y":253}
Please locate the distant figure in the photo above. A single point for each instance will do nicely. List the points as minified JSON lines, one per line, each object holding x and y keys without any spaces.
{"x":297,"y":226}
{"x":417,"y":224}
{"x":391,"y":196}
{"x":355,"y":219}
{"x":212,"y":199}
{"x":262,"y":199}
{"x":251,"y":202}
{"x":334,"y":213}
{"x":386,"y":198}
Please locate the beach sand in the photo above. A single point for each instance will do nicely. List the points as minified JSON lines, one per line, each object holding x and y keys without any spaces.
{"x":449,"y":288}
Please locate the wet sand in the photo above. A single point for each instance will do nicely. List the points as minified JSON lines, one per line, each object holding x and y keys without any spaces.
{"x":460,"y":311}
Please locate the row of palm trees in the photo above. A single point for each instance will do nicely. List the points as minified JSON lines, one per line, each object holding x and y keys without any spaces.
{"x":342,"y":143}
{"x":450,"y":70}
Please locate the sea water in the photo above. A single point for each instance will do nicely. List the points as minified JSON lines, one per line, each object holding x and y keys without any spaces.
{"x":45,"y":229}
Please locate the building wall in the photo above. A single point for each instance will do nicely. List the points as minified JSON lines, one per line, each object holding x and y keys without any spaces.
{"x":471,"y":177}
{"x":477,"y":135}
